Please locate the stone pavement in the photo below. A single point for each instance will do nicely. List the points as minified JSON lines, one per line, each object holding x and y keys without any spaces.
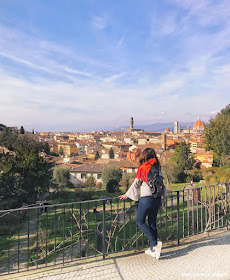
{"x":205,"y":256}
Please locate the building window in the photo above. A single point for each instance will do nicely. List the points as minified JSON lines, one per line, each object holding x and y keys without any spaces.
{"x":91,"y":174}
{"x":98,"y":176}
{"x":83,"y":175}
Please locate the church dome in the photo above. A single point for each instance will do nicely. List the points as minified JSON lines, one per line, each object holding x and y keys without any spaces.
{"x":198,"y":125}
{"x":167,"y":130}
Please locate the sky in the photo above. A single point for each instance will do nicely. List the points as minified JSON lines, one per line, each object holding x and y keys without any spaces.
{"x":81,"y":65}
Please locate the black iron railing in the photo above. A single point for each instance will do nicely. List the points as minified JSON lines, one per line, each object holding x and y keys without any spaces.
{"x":40,"y":236}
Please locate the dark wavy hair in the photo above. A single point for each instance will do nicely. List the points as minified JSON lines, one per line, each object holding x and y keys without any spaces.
{"x":147,"y":154}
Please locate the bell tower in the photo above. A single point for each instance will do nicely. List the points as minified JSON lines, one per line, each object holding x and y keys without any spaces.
{"x":131,"y":123}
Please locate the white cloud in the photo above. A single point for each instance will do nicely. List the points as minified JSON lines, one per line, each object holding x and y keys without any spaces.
{"x":113,"y":77}
{"x":119,"y":43}
{"x":45,"y":56}
{"x":74,"y":71}
{"x":164,"y":25}
{"x":99,"y":22}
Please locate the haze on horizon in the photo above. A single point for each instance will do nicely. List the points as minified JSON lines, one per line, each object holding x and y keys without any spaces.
{"x":89,"y":65}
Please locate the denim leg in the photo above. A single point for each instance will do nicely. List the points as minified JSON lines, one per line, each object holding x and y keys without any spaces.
{"x":152,"y":222}
{"x":146,"y":208}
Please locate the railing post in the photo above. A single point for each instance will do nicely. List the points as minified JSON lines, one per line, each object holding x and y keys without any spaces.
{"x":103,"y":230}
{"x":178,"y":217}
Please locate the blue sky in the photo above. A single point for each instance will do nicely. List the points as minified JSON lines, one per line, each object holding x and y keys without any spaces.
{"x":80,"y":65}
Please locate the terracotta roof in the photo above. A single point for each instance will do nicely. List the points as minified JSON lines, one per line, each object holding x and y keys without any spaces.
{"x":149,"y":145}
{"x":123,"y":163}
{"x":89,"y":167}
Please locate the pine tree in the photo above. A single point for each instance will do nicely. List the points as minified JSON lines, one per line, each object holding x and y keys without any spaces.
{"x":61,"y":151}
{"x":22,"y":131}
{"x":111,"y":153}
{"x":97,"y":156}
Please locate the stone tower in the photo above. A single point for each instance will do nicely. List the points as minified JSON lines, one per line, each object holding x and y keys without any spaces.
{"x":131,"y":123}
{"x":163,"y":141}
{"x":176,"y":127}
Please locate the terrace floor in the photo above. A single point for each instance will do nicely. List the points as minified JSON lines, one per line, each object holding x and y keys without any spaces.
{"x":204,"y":256}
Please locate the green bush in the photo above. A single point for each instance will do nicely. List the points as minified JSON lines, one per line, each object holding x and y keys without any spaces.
{"x":112,"y":186}
{"x":83,"y":195}
{"x":110,"y":172}
{"x":90,"y":183}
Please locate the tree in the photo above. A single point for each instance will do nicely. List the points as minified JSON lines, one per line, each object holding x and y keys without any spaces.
{"x":28,"y":142}
{"x":111,"y":172}
{"x":23,"y":176}
{"x":182,"y":156}
{"x":61,"y":177}
{"x":90,"y":183}
{"x":22,"y":131}
{"x":61,"y":151}
{"x":168,"y":170}
{"x":8,"y":138}
{"x":97,"y":156}
{"x":183,"y":160}
{"x":112,"y":186}
{"x":217,"y":133}
{"x":46,"y":148}
{"x":178,"y":175}
{"x":2,"y":126}
{"x":14,"y":141}
{"x":111,"y":153}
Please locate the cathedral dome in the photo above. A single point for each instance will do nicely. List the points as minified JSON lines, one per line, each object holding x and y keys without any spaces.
{"x":167,"y":130}
{"x":198,"y":125}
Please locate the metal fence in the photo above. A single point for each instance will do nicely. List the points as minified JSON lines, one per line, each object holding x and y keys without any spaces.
{"x":40,"y":236}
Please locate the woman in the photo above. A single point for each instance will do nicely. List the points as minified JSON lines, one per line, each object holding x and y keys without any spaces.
{"x":148,"y":205}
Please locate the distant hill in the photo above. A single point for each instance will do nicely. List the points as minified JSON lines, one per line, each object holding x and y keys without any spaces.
{"x":162,"y":126}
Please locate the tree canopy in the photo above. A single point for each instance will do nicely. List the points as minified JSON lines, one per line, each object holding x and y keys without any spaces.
{"x":182,"y":156}
{"x":61,"y":177}
{"x":111,"y":172}
{"x":181,"y":160}
{"x":217,"y":133}
{"x":13,"y":141}
{"x":23,"y":175}
{"x":8,"y":138}
{"x":22,"y":130}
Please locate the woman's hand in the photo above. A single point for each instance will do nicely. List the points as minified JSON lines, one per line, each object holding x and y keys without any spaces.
{"x":123,"y":197}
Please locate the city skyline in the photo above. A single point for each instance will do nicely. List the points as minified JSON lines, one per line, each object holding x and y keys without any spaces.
{"x":88,"y":65}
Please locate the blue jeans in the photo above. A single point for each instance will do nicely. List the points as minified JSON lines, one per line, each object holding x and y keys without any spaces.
{"x":148,"y":206}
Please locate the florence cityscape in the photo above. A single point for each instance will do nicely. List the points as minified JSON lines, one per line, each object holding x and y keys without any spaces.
{"x":114,"y":139}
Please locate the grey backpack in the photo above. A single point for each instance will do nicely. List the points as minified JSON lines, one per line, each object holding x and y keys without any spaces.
{"x":155,"y":182}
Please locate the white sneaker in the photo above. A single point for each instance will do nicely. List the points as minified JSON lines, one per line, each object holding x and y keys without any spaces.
{"x":151,"y":253}
{"x":157,"y":249}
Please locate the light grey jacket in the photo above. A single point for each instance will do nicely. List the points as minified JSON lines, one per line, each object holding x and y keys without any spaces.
{"x":133,"y":191}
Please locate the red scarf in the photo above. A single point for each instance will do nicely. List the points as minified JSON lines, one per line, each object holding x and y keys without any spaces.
{"x":143,"y":170}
